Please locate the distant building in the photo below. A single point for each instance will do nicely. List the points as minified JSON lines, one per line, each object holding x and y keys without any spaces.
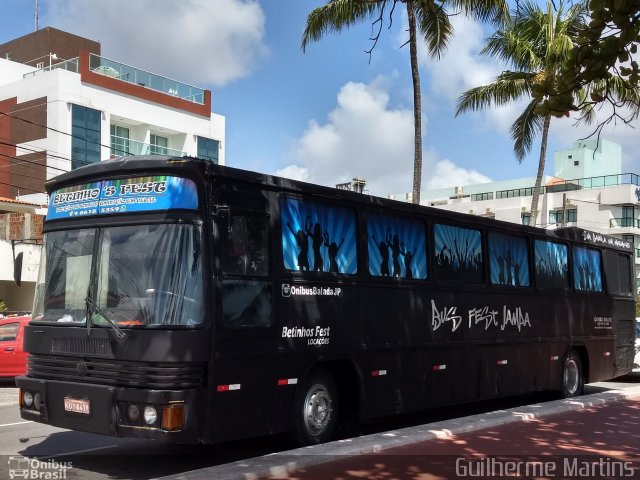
{"x":63,"y":105}
{"x":587,"y":190}
{"x":20,"y":232}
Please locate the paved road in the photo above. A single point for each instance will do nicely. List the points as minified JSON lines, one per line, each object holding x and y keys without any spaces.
{"x":98,"y":457}
{"x":596,"y":442}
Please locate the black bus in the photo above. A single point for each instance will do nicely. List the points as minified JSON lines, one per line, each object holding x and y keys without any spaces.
{"x":191,"y":302}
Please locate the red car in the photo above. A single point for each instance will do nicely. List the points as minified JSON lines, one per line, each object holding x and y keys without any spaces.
{"x":13,"y":358}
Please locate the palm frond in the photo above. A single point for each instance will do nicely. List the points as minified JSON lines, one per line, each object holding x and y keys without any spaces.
{"x":434,"y":26}
{"x":525,"y":129}
{"x":336,"y":15}
{"x":508,"y":87}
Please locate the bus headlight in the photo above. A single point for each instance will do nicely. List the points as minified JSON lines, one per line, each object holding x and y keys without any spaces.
{"x":27,"y":398}
{"x":37,"y":402}
{"x":133,"y":413}
{"x":150,"y":415}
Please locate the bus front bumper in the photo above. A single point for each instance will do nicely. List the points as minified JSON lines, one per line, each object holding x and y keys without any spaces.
{"x":166,"y":415}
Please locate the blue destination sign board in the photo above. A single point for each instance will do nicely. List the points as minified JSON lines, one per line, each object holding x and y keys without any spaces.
{"x":127,"y":195}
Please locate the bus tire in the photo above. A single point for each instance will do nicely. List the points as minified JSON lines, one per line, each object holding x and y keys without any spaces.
{"x":315,"y":409}
{"x":572,"y":377}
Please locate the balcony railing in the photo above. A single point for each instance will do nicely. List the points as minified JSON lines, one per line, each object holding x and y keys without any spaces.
{"x":624,"y":223}
{"x":70,"y":65}
{"x":123,"y":147}
{"x":127,"y":73}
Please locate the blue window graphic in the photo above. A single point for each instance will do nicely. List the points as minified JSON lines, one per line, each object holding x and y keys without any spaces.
{"x":508,"y":260}
{"x":587,"y":271}
{"x":551,"y":265}
{"x":318,"y":238}
{"x":397,"y":247}
{"x":458,"y":254}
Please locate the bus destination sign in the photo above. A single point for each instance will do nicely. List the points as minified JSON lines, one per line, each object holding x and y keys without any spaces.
{"x":108,"y":197}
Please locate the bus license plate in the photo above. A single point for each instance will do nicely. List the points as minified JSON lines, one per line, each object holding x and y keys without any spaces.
{"x":76,"y":405}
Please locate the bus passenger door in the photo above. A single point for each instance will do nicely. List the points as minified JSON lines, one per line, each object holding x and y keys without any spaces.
{"x":243,"y":343}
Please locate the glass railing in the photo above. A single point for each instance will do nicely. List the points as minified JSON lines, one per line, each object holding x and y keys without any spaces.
{"x":624,"y":223}
{"x":576,"y":184}
{"x":476,"y":197}
{"x":126,"y":73}
{"x":123,"y":147}
{"x":70,"y":65}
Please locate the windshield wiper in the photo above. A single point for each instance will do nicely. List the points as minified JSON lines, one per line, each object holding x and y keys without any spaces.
{"x":120,"y":334}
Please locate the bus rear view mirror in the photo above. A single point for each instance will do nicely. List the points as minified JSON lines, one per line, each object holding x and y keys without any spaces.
{"x":17,"y":268}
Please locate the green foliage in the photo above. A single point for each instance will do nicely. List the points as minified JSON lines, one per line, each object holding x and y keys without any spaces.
{"x":3,"y":306}
{"x":536,"y":43}
{"x":602,"y":55}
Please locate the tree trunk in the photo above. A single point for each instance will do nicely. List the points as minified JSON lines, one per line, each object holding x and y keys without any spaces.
{"x":541,"y":162}
{"x":417,"y":104}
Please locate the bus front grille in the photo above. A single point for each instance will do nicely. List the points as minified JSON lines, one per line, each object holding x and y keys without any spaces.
{"x":117,"y":372}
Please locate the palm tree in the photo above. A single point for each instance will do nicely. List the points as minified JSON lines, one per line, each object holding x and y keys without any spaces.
{"x":429,"y":17}
{"x":537,"y":44}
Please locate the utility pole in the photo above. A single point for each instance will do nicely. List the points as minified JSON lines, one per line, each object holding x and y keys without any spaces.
{"x":35,"y":16}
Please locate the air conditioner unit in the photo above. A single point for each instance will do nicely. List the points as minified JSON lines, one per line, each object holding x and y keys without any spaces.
{"x":524,"y":209}
{"x":471,"y":212}
{"x":488,"y":210}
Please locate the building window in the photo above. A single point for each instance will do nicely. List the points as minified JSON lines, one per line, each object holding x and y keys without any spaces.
{"x":120,"y":146}
{"x":158,"y":145}
{"x":526,"y":219}
{"x":85,"y":136}
{"x":208,"y":149}
{"x":556,"y":216}
{"x":576,"y":163}
{"x":628,"y":217}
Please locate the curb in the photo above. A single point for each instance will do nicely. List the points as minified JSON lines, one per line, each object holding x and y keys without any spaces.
{"x":278,"y":464}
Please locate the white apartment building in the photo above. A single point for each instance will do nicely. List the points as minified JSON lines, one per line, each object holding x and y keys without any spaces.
{"x":587,"y":190}
{"x":63,"y":105}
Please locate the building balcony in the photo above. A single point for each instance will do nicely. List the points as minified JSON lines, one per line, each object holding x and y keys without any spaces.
{"x":129,"y":80}
{"x":124,"y":147}
{"x":136,"y":76}
{"x":624,"y":223}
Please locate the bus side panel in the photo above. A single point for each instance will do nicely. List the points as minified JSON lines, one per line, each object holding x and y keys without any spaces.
{"x":395,"y":333}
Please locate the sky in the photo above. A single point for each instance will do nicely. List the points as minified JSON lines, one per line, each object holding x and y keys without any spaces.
{"x":330,"y":113}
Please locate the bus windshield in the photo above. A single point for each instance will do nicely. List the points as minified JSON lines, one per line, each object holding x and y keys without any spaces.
{"x":134,"y":276}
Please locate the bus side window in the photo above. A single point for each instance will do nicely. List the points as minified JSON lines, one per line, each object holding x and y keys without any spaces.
{"x":587,"y":271}
{"x":616,"y":269}
{"x":508,"y":260}
{"x":246,"y":246}
{"x":459,"y":256}
{"x":551,"y":265}
{"x":246,"y":291}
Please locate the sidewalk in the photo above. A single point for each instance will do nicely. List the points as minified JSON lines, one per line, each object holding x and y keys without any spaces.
{"x":596,"y":436}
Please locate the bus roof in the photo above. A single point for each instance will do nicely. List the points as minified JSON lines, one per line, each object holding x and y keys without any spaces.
{"x":198,"y":168}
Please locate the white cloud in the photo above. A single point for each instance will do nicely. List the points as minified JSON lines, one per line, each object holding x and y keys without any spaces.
{"x":446,"y":174}
{"x":362,"y":137}
{"x":293,"y":172}
{"x":192,"y":40}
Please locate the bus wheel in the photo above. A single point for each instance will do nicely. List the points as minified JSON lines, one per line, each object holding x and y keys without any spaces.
{"x":316,"y":409}
{"x":572,"y":380}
